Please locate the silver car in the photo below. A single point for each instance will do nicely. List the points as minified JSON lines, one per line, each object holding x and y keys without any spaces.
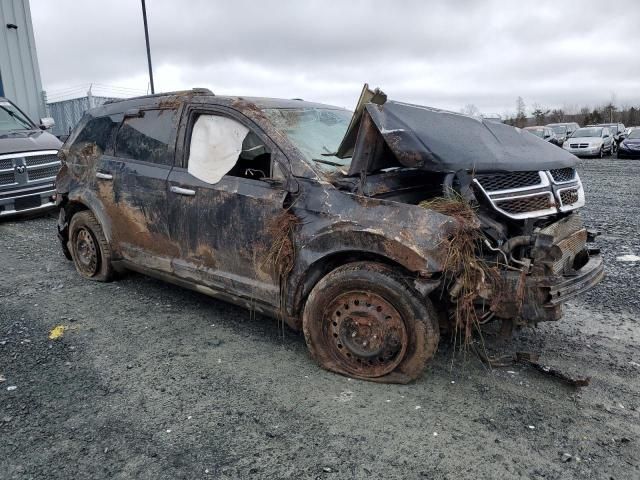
{"x":590,"y":142}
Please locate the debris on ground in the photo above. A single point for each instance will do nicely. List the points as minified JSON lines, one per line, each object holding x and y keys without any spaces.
{"x":11,"y":388}
{"x":57,"y":332}
{"x":532,"y":360}
{"x":2,"y":378}
{"x":628,"y":258}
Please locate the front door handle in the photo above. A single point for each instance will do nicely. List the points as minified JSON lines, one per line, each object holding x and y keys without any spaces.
{"x":104,"y":176}
{"x":183,"y":191}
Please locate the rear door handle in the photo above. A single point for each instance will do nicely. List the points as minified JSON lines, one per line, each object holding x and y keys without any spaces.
{"x":183,"y":191}
{"x":104,"y":176}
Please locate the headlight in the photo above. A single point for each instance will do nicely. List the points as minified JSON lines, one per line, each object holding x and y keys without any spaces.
{"x":595,"y":144}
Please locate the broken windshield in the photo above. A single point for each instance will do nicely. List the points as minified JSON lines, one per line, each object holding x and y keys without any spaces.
{"x":316,"y":132}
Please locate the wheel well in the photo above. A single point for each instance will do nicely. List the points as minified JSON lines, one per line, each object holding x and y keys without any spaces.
{"x":70,"y":209}
{"x":323,"y":266}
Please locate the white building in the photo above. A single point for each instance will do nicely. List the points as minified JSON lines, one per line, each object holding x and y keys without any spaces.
{"x":19,"y":71}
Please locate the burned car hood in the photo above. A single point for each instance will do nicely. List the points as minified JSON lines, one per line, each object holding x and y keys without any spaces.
{"x":395,"y":134}
{"x":27,"y":141}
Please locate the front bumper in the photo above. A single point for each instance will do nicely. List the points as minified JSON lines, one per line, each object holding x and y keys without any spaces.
{"x":534,"y":298}
{"x":27,"y":200}
{"x":584,"y":152}
{"x":628,"y":153}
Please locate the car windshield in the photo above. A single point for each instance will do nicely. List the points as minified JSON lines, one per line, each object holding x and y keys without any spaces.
{"x":12,"y":119}
{"x":587,"y":132}
{"x":538,"y":132}
{"x":316,"y":132}
{"x":561,"y":129}
{"x":634,"y":133}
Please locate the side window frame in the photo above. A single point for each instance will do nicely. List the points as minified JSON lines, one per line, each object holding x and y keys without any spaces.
{"x":189,"y":116}
{"x":172,"y":141}
{"x":84,"y":123}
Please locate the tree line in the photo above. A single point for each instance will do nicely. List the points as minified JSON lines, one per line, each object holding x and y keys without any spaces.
{"x":607,"y":113}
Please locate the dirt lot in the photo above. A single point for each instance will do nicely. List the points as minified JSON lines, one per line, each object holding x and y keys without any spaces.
{"x":152,"y":381}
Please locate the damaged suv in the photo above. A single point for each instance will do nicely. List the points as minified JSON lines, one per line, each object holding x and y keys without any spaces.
{"x":370,"y":231}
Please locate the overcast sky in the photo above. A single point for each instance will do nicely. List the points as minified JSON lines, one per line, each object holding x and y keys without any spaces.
{"x":443,"y":54}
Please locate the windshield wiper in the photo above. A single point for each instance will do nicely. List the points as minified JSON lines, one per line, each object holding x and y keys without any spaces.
{"x":327,"y":162}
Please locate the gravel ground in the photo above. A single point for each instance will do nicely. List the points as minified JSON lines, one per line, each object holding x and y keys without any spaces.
{"x":153,"y":381}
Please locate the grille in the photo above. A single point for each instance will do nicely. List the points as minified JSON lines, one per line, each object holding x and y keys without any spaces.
{"x":578,"y":145}
{"x":504,"y":181}
{"x":563,"y":174}
{"x":6,"y":163}
{"x":46,"y":172}
{"x":7,"y":178}
{"x":40,"y":159}
{"x":569,"y":197}
{"x":525,"y":204}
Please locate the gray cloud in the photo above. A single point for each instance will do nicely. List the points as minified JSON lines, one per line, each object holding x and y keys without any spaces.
{"x":441,"y":54}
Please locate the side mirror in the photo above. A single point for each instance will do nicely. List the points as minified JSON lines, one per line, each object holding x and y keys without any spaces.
{"x":46,"y":123}
{"x":606,"y":135}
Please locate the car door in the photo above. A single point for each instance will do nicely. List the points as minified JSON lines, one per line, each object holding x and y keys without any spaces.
{"x":225,"y":220}
{"x":137,"y":172}
{"x":606,"y":138}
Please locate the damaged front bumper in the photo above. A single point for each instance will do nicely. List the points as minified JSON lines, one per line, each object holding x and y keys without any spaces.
{"x":529,"y":299}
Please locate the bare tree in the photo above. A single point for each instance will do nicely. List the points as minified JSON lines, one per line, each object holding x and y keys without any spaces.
{"x":557,"y":115}
{"x":521,"y":116}
{"x":470,"y":109}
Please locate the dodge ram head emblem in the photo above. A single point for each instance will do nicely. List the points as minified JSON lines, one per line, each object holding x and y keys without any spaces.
{"x":21,"y":168}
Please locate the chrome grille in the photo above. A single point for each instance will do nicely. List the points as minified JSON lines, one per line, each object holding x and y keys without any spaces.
{"x":528,"y":204}
{"x":561,"y":175}
{"x":44,"y":172}
{"x":578,"y":145}
{"x":7,"y":178}
{"x":506,"y":181}
{"x":6,"y":163}
{"x":569,"y":196}
{"x":40,"y":160}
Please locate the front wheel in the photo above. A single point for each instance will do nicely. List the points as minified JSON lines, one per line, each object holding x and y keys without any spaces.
{"x":365,"y":321}
{"x":601,"y":153}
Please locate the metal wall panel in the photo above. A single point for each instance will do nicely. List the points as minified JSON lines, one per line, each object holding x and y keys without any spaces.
{"x":18,"y":59}
{"x":67,"y":113}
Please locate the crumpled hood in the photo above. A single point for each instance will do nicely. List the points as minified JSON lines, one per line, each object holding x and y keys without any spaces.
{"x":27,"y":141}
{"x":414,"y":136}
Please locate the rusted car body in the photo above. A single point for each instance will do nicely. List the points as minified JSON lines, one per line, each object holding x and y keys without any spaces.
{"x":318,"y":222}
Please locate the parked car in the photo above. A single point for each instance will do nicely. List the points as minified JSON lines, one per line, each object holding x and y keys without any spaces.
{"x":28,"y":162}
{"x":630,"y":146}
{"x":617,"y":132}
{"x":316,"y":216}
{"x":570,"y":126}
{"x":590,"y":142}
{"x":544,"y":133}
{"x":628,"y":130}
{"x":561,"y":132}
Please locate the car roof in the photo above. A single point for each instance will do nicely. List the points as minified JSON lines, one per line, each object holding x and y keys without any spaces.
{"x":204,"y":96}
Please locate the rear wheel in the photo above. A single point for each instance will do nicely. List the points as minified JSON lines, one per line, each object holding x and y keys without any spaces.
{"x":365,"y":321}
{"x":89,"y":247}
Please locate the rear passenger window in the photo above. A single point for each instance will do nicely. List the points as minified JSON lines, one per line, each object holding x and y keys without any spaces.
{"x":148,"y":137}
{"x":98,"y":130}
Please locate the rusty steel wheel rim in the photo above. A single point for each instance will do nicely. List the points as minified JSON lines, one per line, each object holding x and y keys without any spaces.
{"x":365,"y":333}
{"x":86,"y":252}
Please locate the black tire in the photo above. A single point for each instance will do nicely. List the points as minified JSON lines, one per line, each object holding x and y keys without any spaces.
{"x":365,"y":321}
{"x":89,"y":247}
{"x":601,"y":154}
